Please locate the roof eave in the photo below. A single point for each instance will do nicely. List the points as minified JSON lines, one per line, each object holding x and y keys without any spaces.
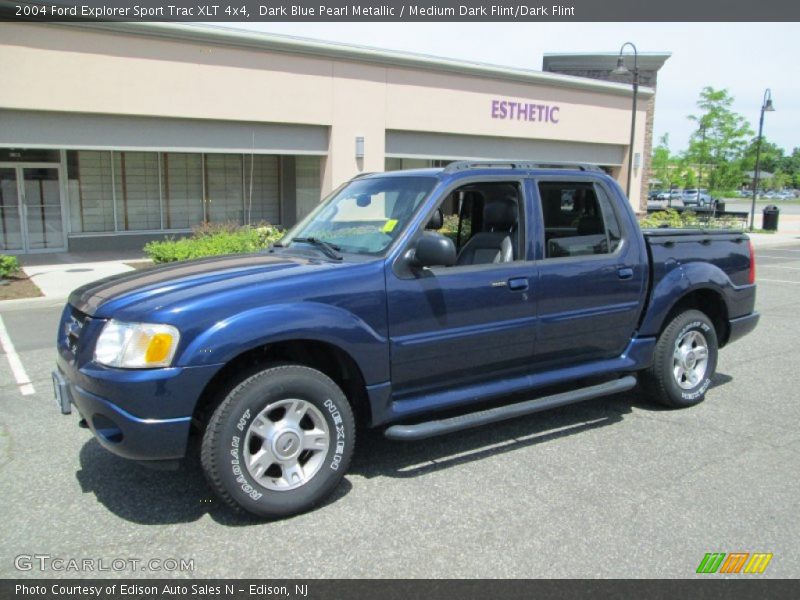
{"x":317,"y":48}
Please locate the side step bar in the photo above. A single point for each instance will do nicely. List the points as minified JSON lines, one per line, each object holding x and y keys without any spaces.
{"x":420,"y":431}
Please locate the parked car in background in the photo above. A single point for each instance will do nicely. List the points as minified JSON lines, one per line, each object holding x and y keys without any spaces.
{"x":696,"y":197}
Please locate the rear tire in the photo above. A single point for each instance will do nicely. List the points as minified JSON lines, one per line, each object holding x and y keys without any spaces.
{"x":280,"y":442}
{"x":685,"y":361}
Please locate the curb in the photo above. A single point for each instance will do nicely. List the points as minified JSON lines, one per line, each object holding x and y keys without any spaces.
{"x":27,"y":303}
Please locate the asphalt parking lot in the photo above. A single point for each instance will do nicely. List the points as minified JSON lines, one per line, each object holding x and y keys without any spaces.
{"x":615,"y":487}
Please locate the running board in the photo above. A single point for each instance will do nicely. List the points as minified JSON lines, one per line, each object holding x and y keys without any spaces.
{"x":420,"y":431}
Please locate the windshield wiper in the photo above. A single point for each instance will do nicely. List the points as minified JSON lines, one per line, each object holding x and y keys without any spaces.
{"x":330,"y":250}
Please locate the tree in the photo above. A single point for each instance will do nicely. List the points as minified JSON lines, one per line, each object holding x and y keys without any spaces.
{"x":716,"y":148}
{"x":790,"y":164}
{"x":771,"y":155}
{"x":661,"y":163}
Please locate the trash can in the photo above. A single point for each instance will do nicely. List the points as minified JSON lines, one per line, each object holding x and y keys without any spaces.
{"x":720,"y":205}
{"x":770,"y":220}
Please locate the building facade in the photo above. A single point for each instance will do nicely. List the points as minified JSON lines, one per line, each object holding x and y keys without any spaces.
{"x":114,"y":134}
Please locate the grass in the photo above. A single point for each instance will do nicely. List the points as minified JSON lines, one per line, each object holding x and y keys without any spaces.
{"x":19,"y":286}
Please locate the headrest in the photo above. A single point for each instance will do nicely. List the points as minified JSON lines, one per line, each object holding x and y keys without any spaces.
{"x":437,"y":220}
{"x":501,"y":213}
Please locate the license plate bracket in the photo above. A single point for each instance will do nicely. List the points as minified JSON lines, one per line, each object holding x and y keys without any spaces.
{"x":61,"y":393}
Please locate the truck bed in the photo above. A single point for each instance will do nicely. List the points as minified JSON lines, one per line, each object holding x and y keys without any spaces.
{"x":682,"y":260}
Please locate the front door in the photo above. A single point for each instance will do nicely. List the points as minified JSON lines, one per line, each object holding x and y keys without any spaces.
{"x":30,"y":209}
{"x":474,"y":321}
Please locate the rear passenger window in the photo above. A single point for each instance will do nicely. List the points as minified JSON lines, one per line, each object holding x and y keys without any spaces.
{"x":578,"y":220}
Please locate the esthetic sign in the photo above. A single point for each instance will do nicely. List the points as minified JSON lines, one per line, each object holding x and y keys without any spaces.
{"x":513,"y":110}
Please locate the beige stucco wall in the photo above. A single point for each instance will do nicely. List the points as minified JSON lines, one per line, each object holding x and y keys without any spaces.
{"x":54,"y":68}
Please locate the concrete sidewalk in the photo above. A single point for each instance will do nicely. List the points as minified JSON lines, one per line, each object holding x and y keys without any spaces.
{"x":56,"y":275}
{"x":770,"y":240}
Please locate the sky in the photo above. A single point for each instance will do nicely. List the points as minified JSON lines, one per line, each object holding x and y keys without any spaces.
{"x":744,"y":58}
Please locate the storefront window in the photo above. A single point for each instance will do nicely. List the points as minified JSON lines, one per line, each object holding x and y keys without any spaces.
{"x":224,"y":189}
{"x":91,"y":193}
{"x":152,"y":191}
{"x":137,"y":190}
{"x":262,"y":198}
{"x":182,"y":183}
{"x":307,"y":170}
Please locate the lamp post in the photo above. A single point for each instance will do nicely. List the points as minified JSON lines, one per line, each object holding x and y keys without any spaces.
{"x":702,"y":158}
{"x":766,"y":106}
{"x":623,"y":70}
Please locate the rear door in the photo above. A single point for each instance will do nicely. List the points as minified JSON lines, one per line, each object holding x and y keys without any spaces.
{"x":592,"y":274}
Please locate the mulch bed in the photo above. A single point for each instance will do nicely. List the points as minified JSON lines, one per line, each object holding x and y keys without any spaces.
{"x":18,"y":286}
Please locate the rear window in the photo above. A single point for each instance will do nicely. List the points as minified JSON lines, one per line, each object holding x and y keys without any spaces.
{"x":578,"y":220}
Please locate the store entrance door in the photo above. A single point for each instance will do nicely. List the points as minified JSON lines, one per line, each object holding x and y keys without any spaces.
{"x":31,"y":216}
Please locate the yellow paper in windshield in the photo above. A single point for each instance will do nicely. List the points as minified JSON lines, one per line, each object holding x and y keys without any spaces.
{"x":389,"y":226}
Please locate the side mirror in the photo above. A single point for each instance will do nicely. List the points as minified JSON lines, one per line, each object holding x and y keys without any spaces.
{"x":434,"y":250}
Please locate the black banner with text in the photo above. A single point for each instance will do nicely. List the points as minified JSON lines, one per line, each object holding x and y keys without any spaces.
{"x":401,"y":11}
{"x":371,"y":589}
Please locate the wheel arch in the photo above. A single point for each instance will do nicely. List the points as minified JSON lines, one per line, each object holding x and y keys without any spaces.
{"x":708,"y":301}
{"x":323,"y":356}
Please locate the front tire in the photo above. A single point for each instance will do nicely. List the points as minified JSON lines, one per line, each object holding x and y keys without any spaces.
{"x":685,"y":361}
{"x":280,"y":442}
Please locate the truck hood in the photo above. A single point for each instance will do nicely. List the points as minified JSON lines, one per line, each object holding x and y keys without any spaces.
{"x":170,"y":283}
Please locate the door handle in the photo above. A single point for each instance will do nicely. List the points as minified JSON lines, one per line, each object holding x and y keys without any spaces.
{"x":518,"y":284}
{"x":625,"y":272}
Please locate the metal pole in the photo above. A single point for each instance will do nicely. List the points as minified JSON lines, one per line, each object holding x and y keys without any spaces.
{"x":633,"y":128}
{"x":758,"y":167}
{"x":702,"y":158}
{"x":633,"y":112}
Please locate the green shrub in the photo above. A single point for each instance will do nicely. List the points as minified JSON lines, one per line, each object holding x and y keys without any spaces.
{"x":8,"y":265}
{"x":688,"y":220}
{"x":670,"y":218}
{"x":450,"y":227}
{"x":214,"y":240}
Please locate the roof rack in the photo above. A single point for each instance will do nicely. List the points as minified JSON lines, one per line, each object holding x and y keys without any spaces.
{"x":360,"y":175}
{"x":461,"y":165}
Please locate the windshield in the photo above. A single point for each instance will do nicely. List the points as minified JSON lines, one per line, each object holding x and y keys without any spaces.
{"x":363,"y":216}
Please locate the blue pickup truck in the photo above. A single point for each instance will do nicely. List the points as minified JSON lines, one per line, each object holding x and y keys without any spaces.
{"x":420,"y":302}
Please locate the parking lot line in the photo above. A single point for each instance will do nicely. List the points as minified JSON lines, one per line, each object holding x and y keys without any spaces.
{"x":23,"y":381}
{"x":779,"y":267}
{"x":779,"y":280}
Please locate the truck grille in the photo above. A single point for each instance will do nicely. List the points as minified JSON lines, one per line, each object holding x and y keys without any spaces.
{"x":73,"y":327}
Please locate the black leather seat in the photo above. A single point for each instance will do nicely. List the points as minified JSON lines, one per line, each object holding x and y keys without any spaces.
{"x":498,"y":244}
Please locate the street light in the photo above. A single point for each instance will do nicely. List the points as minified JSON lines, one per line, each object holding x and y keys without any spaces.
{"x":766,"y":106}
{"x":623,"y":70}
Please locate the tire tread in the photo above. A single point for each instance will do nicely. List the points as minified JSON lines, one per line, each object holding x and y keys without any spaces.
{"x":216,"y":423}
{"x":655,"y":379}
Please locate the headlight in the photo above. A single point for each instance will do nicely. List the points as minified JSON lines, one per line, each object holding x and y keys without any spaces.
{"x":136,"y":345}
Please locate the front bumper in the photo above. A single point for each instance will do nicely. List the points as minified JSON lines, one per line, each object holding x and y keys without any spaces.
{"x":109,"y":400}
{"x":741,"y":326}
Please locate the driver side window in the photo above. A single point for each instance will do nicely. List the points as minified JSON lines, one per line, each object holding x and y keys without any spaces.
{"x":484,"y":221}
